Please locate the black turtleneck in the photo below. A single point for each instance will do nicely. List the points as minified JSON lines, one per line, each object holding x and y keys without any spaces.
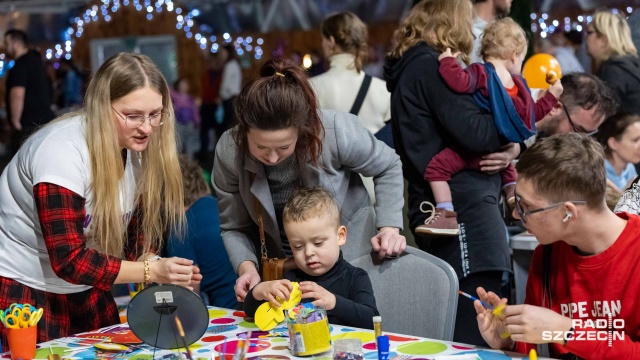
{"x":355,"y":303}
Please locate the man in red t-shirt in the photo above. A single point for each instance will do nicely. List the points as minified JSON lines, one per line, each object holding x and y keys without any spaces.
{"x":582,"y":293}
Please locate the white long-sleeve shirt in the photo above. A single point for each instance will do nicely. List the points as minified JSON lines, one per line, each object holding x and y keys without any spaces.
{"x":231,"y":80}
{"x":337,"y":89}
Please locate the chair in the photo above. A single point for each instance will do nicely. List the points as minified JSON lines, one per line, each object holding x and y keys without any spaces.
{"x":416,"y":293}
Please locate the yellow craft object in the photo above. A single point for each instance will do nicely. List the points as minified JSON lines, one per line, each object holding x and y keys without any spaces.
{"x":294,"y":298}
{"x":268,"y":316}
{"x":498,"y":312}
{"x":533,"y":355}
{"x":110,"y":347}
{"x":536,"y":68}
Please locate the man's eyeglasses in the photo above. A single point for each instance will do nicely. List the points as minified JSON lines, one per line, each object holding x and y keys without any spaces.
{"x":523,"y":214}
{"x":134,"y":121}
{"x":573,"y":126}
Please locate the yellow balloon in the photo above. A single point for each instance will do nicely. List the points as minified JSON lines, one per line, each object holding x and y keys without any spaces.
{"x":536,"y":69}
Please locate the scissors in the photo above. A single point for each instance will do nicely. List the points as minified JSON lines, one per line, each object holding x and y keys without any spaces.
{"x":22,"y":318}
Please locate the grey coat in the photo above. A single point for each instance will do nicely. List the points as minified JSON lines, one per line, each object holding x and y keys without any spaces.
{"x":348,"y":150}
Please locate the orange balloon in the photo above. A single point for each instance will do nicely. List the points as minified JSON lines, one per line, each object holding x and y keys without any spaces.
{"x":536,"y":68}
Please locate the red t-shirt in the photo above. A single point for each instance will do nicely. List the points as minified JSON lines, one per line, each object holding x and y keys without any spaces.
{"x":589,"y":288}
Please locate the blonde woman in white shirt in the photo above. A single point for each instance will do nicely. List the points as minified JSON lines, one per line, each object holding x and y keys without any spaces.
{"x":87,"y":199}
{"x":344,"y":42}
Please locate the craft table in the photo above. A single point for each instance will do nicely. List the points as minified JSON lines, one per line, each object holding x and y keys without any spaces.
{"x":232,"y":325}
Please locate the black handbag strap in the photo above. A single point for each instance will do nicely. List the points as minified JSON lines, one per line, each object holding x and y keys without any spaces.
{"x":355,"y":109}
{"x":263,"y":243}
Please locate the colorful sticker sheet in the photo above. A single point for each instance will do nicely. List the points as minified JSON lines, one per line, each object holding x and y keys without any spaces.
{"x":228,"y":327}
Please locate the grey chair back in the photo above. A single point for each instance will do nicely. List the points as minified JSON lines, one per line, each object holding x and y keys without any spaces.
{"x":416,"y":293}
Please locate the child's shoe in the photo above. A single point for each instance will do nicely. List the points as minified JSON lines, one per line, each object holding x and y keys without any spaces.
{"x":509,"y":193}
{"x":441,"y":222}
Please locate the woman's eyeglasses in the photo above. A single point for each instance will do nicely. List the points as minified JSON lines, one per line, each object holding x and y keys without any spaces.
{"x":134,"y":121}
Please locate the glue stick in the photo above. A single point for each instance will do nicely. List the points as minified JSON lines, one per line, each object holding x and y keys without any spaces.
{"x":377,"y":326}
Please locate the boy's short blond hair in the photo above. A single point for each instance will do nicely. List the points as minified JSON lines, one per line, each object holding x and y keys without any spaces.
{"x":501,"y":39}
{"x":314,"y":203}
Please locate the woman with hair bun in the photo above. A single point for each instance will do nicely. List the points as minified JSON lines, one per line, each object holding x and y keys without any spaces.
{"x":282,"y":142}
{"x":344,"y":42}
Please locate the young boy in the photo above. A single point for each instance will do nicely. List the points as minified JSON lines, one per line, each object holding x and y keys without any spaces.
{"x":583,"y":296}
{"x":498,"y":88}
{"x":311,"y":220}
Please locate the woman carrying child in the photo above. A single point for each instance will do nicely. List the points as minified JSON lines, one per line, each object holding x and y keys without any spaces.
{"x":497,"y":87}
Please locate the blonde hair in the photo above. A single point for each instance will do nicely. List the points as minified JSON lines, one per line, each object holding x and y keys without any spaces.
{"x":615,"y":28}
{"x":612,"y":196}
{"x":440,"y":23}
{"x":313,"y":203}
{"x":159,"y":193}
{"x":349,"y":33}
{"x":501,"y":39}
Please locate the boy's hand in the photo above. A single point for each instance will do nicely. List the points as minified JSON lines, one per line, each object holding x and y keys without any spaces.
{"x":527,"y":323}
{"x":556,"y":89}
{"x":492,"y":327}
{"x":324,"y":299}
{"x":273,"y":291}
{"x":447,"y":53}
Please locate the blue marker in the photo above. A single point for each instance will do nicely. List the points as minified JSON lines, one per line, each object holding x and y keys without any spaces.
{"x":475,"y":298}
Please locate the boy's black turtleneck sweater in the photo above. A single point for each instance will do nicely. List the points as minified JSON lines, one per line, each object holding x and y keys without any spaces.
{"x":355,"y":303}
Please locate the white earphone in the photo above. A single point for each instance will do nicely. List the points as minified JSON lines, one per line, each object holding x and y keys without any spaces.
{"x":566,"y":218}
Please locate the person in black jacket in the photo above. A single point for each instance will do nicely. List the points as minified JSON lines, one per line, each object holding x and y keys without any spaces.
{"x":615,"y":57}
{"x":427,"y":117}
{"x":311,"y":220}
{"x":29,"y":89}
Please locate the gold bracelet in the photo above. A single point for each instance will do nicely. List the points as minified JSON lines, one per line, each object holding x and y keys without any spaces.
{"x":147,"y":273}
